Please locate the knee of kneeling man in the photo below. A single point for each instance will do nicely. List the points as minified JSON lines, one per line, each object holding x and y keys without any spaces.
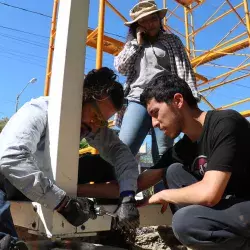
{"x":183,"y":225}
{"x":173,"y":171}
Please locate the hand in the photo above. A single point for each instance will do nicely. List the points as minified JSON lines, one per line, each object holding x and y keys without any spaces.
{"x":155,"y":199}
{"x":77,"y":210}
{"x":139,"y":35}
{"x":127,"y":213}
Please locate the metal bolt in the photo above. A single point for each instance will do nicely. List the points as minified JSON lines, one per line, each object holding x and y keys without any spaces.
{"x":33,"y":224}
{"x":83,"y":227}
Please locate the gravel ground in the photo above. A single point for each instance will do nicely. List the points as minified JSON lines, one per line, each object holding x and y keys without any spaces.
{"x":155,"y":238}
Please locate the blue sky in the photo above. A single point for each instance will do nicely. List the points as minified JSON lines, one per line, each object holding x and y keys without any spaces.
{"x":23,"y":54}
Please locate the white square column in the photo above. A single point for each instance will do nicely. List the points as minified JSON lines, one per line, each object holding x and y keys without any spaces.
{"x":64,"y":113}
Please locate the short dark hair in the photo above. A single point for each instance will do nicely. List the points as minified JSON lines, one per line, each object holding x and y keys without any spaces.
{"x":164,"y":86}
{"x":103,"y":82}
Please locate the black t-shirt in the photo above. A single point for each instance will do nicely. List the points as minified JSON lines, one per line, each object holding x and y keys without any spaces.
{"x":224,"y":145}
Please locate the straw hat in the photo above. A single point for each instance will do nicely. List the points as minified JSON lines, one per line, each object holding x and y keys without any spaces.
{"x":144,"y":8}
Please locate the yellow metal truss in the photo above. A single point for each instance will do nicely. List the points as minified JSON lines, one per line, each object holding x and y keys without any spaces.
{"x":226,"y":46}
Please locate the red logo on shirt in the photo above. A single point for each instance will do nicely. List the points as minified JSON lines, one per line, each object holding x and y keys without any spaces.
{"x":199,"y":165}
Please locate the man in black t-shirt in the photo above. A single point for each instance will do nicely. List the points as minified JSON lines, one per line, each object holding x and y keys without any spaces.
{"x":207,"y":171}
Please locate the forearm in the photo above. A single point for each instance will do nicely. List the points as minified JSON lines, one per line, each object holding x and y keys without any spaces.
{"x":99,"y":190}
{"x":111,"y":190}
{"x":193,"y":194}
{"x":149,"y":178}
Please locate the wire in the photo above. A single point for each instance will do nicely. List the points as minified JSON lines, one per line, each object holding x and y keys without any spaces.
{"x":22,"y":31}
{"x":22,"y":60}
{"x":240,"y":85}
{"x":23,"y":40}
{"x":30,"y":11}
{"x":20,"y":52}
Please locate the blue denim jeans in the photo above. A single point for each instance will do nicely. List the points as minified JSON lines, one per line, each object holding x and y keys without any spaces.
{"x":6,"y":222}
{"x":135,"y":127}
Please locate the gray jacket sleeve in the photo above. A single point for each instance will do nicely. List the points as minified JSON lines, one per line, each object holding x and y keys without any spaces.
{"x":124,"y":62}
{"x":114,"y":151}
{"x":18,"y":162}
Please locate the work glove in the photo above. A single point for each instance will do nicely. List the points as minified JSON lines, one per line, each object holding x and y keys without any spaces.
{"x":127,"y":213}
{"x":77,"y":210}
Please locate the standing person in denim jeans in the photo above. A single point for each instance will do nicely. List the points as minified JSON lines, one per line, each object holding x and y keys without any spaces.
{"x":207,"y":171}
{"x":149,"y":50}
{"x":22,"y":145}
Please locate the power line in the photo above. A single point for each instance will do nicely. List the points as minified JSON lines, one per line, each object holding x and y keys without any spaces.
{"x":240,"y":85}
{"x":22,"y":31}
{"x":30,"y":11}
{"x":20,"y":39}
{"x":23,"y":60}
{"x":20,"y":53}
{"x":41,"y":14}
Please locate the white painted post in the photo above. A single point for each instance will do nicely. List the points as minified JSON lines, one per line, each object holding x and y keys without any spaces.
{"x":64,"y":113}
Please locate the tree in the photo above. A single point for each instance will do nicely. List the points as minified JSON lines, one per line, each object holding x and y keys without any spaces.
{"x":3,"y":122}
{"x":83,"y":143}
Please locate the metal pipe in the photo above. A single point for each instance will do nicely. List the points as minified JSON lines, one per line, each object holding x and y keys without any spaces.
{"x":237,"y":14}
{"x":234,"y":104}
{"x":192,"y":37}
{"x":225,"y":74}
{"x":245,"y":2}
{"x":116,"y":11}
{"x":207,"y":102}
{"x":213,"y":54}
{"x":99,"y":48}
{"x":92,"y":34}
{"x":165,"y":6}
{"x":214,"y":20}
{"x":187,"y":30}
{"x":51,"y":48}
{"x":224,"y":83}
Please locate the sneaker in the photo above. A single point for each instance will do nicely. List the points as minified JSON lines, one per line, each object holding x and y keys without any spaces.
{"x":8,"y":243}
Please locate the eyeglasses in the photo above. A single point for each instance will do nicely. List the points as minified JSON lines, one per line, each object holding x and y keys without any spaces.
{"x":144,"y":22}
{"x":99,"y":119}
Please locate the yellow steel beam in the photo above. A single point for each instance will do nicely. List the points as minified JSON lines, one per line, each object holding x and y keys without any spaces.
{"x":224,"y":83}
{"x":215,"y":54}
{"x":200,"y":77}
{"x":245,"y":2}
{"x":164,"y":6}
{"x":187,"y":29}
{"x":116,"y":11}
{"x":92,"y":35}
{"x":225,"y":74}
{"x":214,"y":20}
{"x":245,"y":113}
{"x":51,"y":47}
{"x":234,"y":103}
{"x":234,"y":10}
{"x":230,"y":40}
{"x":89,"y":150}
{"x":99,"y":47}
{"x":207,"y":102}
{"x":111,"y":45}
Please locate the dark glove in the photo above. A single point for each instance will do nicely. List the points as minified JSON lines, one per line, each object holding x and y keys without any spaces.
{"x":127,"y":213}
{"x":77,"y":210}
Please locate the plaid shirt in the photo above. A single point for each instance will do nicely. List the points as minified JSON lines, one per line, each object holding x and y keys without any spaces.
{"x":179,"y":63}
